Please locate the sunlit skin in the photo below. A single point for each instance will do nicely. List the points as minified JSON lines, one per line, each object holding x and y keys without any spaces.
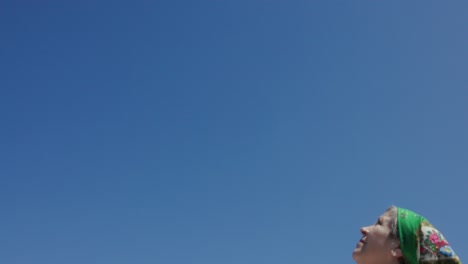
{"x":376,"y":246}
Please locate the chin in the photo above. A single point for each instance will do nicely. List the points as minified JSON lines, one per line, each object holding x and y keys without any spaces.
{"x":356,"y":254}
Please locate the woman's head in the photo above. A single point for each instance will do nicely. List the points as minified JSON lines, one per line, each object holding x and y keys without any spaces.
{"x":402,"y":236}
{"x":379,"y":243}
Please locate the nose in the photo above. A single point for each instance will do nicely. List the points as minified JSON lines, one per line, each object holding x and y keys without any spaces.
{"x":364,"y":231}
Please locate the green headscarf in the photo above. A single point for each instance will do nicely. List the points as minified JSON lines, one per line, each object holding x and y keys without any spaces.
{"x":420,"y":242}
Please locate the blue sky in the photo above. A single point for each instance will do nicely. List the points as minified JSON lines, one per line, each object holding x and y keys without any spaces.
{"x":227,"y":131}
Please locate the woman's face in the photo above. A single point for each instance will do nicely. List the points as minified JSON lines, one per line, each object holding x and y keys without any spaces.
{"x":376,"y":245}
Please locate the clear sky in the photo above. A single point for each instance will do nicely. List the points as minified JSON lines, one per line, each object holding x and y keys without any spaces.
{"x":227,"y":132}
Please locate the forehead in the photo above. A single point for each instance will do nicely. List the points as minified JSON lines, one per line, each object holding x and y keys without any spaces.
{"x":391,"y":212}
{"x":386,"y":217}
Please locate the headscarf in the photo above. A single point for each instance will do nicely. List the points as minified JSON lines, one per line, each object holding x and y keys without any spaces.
{"x":420,"y":242}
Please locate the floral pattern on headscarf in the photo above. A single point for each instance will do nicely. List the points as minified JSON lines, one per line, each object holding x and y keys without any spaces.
{"x":433,"y":244}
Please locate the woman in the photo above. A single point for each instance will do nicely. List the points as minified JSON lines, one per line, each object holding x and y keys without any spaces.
{"x":401,"y":236}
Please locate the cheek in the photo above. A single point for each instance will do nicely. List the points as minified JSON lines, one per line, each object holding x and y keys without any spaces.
{"x":381,"y":239}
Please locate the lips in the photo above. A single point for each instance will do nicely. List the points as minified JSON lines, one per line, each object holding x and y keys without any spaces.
{"x":360,"y":244}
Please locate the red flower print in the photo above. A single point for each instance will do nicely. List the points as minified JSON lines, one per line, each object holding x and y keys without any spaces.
{"x":441,"y":243}
{"x":434,"y":238}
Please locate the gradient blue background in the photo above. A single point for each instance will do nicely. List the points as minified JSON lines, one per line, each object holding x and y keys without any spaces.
{"x":230,"y":132}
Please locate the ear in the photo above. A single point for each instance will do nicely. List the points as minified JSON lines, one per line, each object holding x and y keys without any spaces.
{"x":396,"y":253}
